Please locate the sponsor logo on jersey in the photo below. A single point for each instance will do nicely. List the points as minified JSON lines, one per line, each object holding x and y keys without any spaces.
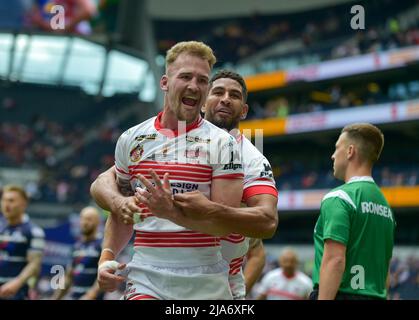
{"x":179,"y":187}
{"x":267,"y":172}
{"x":136,"y":153}
{"x":232,"y":166}
{"x":151,"y":136}
{"x":378,"y":209}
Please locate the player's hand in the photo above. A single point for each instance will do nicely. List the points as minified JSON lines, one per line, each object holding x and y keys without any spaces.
{"x":107,"y":279}
{"x":125,"y":208}
{"x":10,"y":288}
{"x":192,"y":203}
{"x":158,"y":197}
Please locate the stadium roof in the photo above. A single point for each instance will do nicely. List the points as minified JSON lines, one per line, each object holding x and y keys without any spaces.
{"x":193,"y":9}
{"x":74,"y":61}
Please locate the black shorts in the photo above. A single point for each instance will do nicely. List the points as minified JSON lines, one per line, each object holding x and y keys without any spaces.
{"x":314,"y":295}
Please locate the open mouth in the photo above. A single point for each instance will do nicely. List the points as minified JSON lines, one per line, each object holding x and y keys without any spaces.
{"x":188,"y":101}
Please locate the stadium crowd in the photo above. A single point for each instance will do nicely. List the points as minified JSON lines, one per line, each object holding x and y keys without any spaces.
{"x":83,"y":17}
{"x":333,"y":97}
{"x":235,"y":39}
{"x":404,"y":282}
{"x":294,"y":176}
{"x":37,"y":145}
{"x":240,"y":38}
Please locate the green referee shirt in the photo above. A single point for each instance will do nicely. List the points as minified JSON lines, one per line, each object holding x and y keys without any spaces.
{"x":357,"y":215}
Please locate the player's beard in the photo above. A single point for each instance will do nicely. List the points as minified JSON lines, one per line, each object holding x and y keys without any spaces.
{"x":186,"y":115}
{"x":184,"y":112}
{"x":87,"y":232}
{"x":223,"y":122}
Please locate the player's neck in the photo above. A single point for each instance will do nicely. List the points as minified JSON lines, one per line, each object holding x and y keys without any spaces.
{"x":170,"y":121}
{"x":235,"y":132}
{"x":288,"y":274}
{"x":14,"y":221}
{"x":358,"y":171}
{"x":88,"y":237}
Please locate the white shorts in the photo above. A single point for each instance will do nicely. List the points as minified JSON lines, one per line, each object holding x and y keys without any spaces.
{"x":178,"y":283}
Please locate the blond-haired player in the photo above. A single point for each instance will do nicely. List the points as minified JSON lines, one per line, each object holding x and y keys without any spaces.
{"x":175,"y":257}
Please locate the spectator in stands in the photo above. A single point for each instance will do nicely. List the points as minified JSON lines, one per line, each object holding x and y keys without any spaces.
{"x":412,"y":178}
{"x":282,"y":107}
{"x":106,"y":20}
{"x":276,"y":108}
{"x":404,"y":279}
{"x":309,"y":180}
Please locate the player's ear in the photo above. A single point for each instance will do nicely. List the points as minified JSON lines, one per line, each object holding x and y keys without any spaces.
{"x":244,"y":112}
{"x":164,"y":82}
{"x":203,"y":108}
{"x":350,"y":153}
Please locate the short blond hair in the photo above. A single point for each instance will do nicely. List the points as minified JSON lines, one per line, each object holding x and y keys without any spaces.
{"x":195,"y":48}
{"x":16,"y":188}
{"x":369,"y":139}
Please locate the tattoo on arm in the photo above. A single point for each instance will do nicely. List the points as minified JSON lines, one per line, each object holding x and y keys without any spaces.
{"x":125,"y":187}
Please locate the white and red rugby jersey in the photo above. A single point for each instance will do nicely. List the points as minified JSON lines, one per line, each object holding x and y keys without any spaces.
{"x":278,"y":286}
{"x":258,"y":179}
{"x":193,"y":156}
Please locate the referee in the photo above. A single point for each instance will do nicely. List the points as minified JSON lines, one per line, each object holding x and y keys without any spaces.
{"x":354,"y":233}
